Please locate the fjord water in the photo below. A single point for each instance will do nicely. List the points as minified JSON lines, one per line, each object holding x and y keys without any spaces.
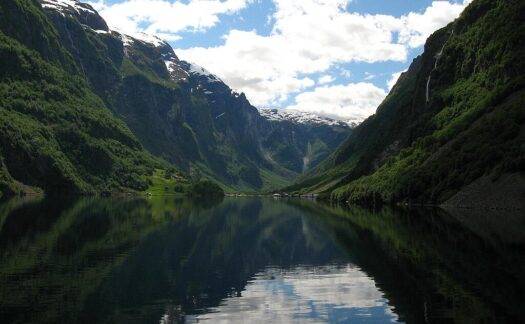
{"x":249,"y":260}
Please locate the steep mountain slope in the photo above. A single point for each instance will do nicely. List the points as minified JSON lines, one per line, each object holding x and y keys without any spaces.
{"x":55,"y":133}
{"x":177,"y":110}
{"x":454,"y":117}
{"x":300,"y":141}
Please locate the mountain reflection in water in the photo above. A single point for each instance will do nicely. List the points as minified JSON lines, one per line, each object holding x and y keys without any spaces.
{"x":171,"y":260}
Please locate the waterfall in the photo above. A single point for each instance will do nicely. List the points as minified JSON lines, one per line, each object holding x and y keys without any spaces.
{"x":438,"y":56}
{"x":306,"y":158}
{"x":428,"y":88}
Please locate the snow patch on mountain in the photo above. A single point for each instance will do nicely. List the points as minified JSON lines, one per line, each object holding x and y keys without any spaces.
{"x":63,"y":6}
{"x":199,"y":70}
{"x":72,"y":7}
{"x":179,"y":70}
{"x":98,"y":31}
{"x":169,"y":66}
{"x":88,"y":17}
{"x":101,"y":31}
{"x":148,"y":39}
{"x":300,"y":117}
{"x":129,"y":38}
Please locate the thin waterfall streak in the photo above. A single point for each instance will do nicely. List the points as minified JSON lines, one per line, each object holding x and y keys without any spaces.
{"x":306,"y":159}
{"x":428,"y":89}
{"x":438,"y":56}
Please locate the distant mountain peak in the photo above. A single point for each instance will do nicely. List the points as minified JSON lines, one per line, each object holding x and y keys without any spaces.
{"x":301,"y":117}
{"x":91,"y":19}
{"x":86,"y":15}
{"x":67,"y":5}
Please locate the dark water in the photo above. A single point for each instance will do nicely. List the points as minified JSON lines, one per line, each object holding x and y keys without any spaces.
{"x":251,"y":260}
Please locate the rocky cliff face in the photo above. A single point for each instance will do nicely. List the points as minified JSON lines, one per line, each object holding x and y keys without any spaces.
{"x":181,"y":112}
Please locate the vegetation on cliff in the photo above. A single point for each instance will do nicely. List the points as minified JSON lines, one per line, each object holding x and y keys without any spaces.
{"x":55,"y":133}
{"x":456,"y":115}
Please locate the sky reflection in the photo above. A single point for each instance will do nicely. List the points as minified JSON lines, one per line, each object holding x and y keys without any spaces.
{"x":331,"y":293}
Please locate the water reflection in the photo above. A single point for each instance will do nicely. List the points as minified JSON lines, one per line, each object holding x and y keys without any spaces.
{"x":254,"y":260}
{"x":331,"y":293}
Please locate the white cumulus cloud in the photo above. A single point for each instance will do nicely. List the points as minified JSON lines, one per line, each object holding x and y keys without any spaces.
{"x":308,"y":38}
{"x":311,"y":36}
{"x":354,"y":102}
{"x":416,"y":27}
{"x":166,"y":18}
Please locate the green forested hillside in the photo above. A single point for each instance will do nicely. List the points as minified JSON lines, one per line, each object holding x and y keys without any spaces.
{"x":425,"y":143}
{"x":55,"y":133}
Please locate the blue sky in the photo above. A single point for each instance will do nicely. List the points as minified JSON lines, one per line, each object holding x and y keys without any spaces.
{"x":331,"y":57}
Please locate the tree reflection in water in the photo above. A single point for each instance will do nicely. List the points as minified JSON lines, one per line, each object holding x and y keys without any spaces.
{"x":250,"y":259}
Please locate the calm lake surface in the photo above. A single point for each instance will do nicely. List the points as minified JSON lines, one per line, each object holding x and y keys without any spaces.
{"x":251,"y":260}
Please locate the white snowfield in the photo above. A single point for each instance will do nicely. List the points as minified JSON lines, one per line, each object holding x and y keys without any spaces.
{"x":300,"y":117}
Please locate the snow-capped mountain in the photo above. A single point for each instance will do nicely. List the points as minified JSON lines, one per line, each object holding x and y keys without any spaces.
{"x":301,"y":117}
{"x":186,"y":114}
{"x":66,"y":6}
{"x":85,"y":14}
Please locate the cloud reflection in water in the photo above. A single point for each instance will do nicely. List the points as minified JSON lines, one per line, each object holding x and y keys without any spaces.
{"x":332,"y":293}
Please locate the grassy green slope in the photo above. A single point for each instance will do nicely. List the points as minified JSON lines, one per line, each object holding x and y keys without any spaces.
{"x":54,"y":132}
{"x":473,"y":124}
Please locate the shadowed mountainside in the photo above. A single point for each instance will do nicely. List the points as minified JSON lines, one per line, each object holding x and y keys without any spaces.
{"x":454,"y":117}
